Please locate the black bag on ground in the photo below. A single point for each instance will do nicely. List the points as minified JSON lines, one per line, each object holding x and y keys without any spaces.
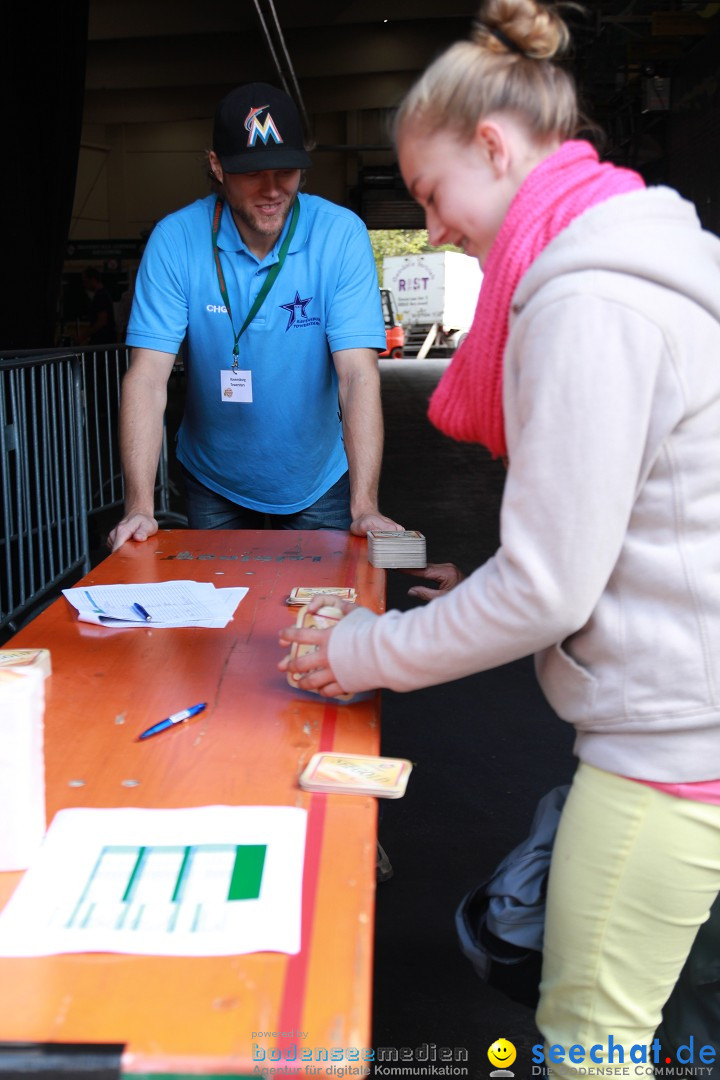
{"x":500,"y":923}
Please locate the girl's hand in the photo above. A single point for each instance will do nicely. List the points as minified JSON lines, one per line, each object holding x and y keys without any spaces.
{"x":312,"y":663}
{"x":447,"y":576}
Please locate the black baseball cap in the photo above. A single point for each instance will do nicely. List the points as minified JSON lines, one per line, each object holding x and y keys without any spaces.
{"x":258,"y":127}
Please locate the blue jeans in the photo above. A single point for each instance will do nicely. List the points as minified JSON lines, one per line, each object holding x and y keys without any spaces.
{"x":208,"y":510}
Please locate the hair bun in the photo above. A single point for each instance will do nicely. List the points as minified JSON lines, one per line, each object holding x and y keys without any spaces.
{"x":480,"y":31}
{"x":525,"y":27}
{"x":507,"y":65}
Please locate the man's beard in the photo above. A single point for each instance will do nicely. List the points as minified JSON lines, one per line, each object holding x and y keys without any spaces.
{"x":265,"y":226}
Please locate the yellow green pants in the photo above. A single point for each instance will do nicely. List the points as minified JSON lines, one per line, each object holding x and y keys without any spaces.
{"x":634,"y":873}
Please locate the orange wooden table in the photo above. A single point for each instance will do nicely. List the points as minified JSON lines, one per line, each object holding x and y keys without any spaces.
{"x":203,"y":1016}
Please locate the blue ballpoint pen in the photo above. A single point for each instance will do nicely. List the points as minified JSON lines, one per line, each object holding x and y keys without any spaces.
{"x":170,"y":721}
{"x":142,"y":612}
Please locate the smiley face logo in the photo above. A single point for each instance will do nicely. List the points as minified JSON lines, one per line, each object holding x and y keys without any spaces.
{"x":502,"y":1053}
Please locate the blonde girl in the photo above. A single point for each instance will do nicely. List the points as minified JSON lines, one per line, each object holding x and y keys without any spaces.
{"x":593,"y":367}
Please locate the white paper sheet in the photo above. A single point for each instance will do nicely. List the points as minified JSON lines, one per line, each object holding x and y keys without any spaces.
{"x":184,"y":882}
{"x":169,"y":603}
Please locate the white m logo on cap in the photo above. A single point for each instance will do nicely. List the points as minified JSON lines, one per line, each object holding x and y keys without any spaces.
{"x":262,"y":130}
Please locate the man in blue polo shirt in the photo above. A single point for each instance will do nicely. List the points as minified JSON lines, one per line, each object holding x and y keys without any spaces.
{"x":276,"y":295}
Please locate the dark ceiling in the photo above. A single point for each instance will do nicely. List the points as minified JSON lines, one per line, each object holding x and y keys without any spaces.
{"x":332,"y":51}
{"x":173,"y":59}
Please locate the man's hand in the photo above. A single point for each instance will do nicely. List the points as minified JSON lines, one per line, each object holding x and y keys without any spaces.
{"x":447,"y":576}
{"x":132,"y":527}
{"x":373,"y":521}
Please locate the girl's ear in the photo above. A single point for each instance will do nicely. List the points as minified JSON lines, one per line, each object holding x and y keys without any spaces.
{"x":491,"y":139}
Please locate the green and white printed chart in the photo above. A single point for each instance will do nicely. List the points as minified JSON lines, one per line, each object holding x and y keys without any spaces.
{"x":208,"y":881}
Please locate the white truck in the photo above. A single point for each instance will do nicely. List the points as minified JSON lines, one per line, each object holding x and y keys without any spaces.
{"x":436,"y":295}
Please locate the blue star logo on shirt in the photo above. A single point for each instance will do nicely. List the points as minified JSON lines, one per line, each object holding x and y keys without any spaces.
{"x":293,"y":306}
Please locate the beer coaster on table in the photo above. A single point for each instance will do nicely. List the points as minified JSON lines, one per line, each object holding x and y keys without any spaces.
{"x":304,"y":594}
{"x":357,"y":774}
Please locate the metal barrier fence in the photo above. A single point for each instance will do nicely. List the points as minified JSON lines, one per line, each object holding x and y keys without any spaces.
{"x":102,"y":373}
{"x":59,"y":466}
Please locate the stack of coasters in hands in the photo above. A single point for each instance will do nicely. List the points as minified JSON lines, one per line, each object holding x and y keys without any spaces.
{"x":392,"y":550}
{"x":303,"y":595}
{"x":357,"y":774}
{"x":323,"y":619}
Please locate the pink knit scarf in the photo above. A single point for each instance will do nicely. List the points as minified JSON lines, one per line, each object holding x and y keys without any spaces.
{"x":467,"y":402}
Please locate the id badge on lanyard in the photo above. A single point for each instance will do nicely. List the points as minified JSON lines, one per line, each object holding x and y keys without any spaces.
{"x":235,"y":386}
{"x":236,"y":383}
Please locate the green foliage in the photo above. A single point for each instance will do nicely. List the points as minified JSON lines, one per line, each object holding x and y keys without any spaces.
{"x":401,"y":242}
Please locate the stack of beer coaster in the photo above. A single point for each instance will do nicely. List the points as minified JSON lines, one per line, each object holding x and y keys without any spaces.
{"x":324,"y":619}
{"x":396,"y":549}
{"x":27,"y":658}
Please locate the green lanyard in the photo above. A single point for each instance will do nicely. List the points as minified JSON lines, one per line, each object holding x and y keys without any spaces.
{"x":269,"y":279}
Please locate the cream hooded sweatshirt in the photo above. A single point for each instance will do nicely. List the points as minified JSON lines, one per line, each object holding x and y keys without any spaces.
{"x":608,"y":570}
